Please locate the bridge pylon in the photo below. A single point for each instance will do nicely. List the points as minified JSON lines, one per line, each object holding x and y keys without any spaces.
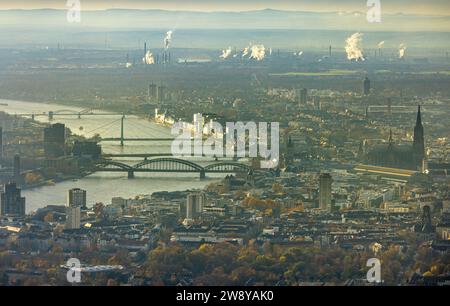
{"x":121,"y":131}
{"x":130,"y":174}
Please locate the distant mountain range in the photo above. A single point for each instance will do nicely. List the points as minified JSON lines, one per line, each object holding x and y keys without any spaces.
{"x":129,"y":29}
{"x":261,"y":19}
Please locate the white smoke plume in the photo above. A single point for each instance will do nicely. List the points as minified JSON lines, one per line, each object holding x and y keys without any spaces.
{"x":226,"y":53}
{"x":353,"y":47}
{"x":258,"y":52}
{"x":380,"y":44}
{"x":148,"y":58}
{"x":168,"y":39}
{"x":270,"y":51}
{"x":245,"y":51}
{"x":401,"y":50}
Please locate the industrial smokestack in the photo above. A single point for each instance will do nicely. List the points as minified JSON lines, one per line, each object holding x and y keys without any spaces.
{"x":145,"y":48}
{"x":329,"y":51}
{"x":380,"y":46}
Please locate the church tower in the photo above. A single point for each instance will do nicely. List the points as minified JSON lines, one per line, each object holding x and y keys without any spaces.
{"x":419,"y":141}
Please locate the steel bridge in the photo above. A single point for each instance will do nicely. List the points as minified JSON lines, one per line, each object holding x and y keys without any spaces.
{"x":92,"y":112}
{"x":69,"y":113}
{"x":170,"y":165}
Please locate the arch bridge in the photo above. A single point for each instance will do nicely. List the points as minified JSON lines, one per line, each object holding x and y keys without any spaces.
{"x":170,"y":165}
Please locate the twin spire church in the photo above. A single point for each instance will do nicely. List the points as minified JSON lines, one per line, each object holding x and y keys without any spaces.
{"x":400,"y":156}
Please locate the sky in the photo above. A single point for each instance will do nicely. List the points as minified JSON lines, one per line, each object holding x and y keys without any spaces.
{"x":421,"y":7}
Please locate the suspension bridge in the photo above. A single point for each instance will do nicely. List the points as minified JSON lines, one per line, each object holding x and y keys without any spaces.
{"x":93,"y":112}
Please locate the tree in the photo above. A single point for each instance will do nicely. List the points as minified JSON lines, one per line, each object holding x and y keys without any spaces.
{"x":242,"y":274}
{"x":217,"y":277}
{"x":277,"y":188}
{"x":111,"y":283}
{"x":99,"y":210}
{"x":48,"y":217}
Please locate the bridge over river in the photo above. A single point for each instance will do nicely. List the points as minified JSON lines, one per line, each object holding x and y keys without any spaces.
{"x":170,"y":165}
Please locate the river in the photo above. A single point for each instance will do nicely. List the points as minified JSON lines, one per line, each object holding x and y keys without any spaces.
{"x":101,"y":187}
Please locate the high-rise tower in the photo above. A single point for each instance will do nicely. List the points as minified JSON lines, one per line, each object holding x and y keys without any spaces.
{"x":325,"y":181}
{"x":419,"y":140}
{"x":194,"y":205}
{"x":76,"y":199}
{"x":366,"y":86}
{"x":12,"y":203}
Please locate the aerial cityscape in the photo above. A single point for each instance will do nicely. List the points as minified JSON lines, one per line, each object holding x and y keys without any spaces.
{"x":224,"y":143}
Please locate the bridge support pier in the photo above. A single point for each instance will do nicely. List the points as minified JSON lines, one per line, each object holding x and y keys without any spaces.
{"x":50,"y":116}
{"x":130,"y":174}
{"x":79,"y":115}
{"x":202,"y":175}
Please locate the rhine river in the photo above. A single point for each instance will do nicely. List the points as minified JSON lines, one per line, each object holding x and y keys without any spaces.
{"x":101,"y":187}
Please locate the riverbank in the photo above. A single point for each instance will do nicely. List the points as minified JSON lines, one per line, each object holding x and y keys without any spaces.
{"x":24,"y":140}
{"x":53,"y":181}
{"x":103,"y":186}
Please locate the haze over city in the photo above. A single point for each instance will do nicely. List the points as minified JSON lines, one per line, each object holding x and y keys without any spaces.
{"x":433,"y":7}
{"x":225,"y":143}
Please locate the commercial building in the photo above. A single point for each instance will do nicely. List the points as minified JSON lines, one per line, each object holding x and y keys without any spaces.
{"x":194,"y":205}
{"x":76,"y":199}
{"x":54,"y":140}
{"x":366,"y":86}
{"x":12,"y":203}
{"x":152,"y":90}
{"x":325,"y":181}
{"x":302,"y":96}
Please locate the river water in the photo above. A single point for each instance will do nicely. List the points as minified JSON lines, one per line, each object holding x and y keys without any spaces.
{"x":101,"y":187}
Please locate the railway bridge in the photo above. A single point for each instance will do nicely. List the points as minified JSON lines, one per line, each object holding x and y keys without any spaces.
{"x":170,"y":165}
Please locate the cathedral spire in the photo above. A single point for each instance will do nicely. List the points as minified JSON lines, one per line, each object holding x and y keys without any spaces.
{"x":419,"y":117}
{"x":419,"y":140}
